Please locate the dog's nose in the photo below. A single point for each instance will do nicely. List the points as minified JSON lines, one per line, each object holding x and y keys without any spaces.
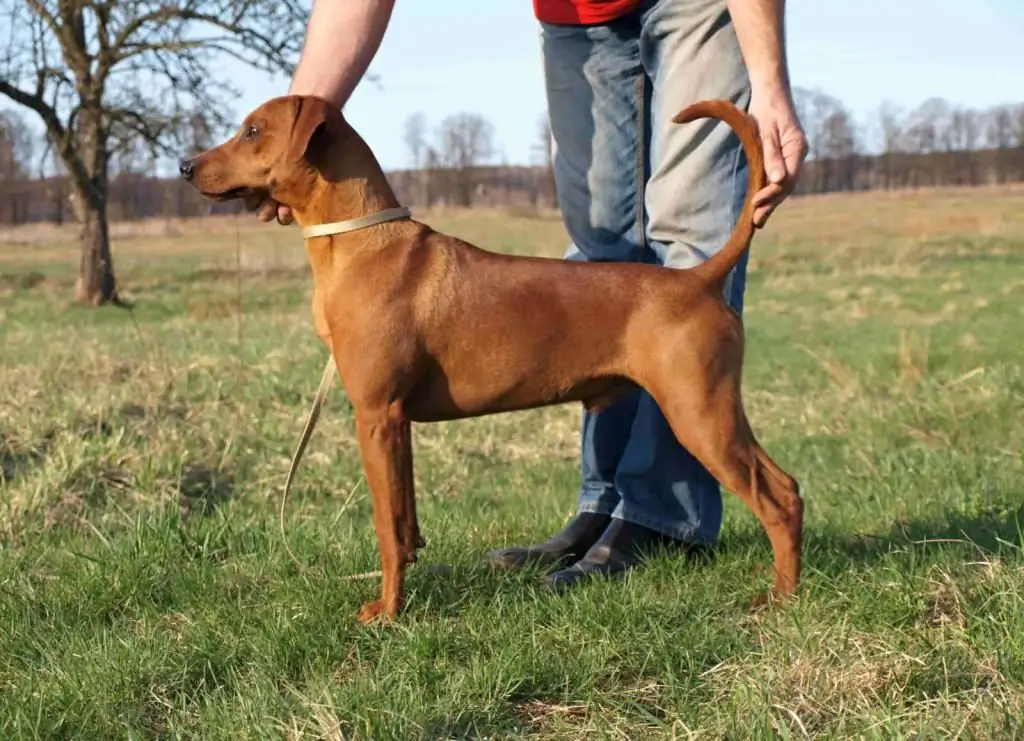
{"x":187,"y":169}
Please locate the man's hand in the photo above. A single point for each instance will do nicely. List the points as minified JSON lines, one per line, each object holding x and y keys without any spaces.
{"x":760,"y":32}
{"x":268,"y":209}
{"x":785,"y":148}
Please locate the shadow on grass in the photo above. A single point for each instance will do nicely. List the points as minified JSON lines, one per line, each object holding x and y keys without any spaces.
{"x":441,"y":591}
{"x":447,"y":591}
{"x":14,"y":461}
{"x":202,"y":489}
{"x":469,"y":725}
{"x":993,"y":531}
{"x":17,"y":459}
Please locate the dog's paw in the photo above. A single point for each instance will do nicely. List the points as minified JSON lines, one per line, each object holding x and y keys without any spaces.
{"x":761,"y":602}
{"x":765,"y":601}
{"x":373,"y":612}
{"x":774,"y":597}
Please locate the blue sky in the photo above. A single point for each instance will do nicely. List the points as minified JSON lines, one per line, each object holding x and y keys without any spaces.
{"x":441,"y":57}
{"x":447,"y":56}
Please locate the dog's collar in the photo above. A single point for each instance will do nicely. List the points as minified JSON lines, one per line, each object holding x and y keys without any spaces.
{"x":340,"y":227}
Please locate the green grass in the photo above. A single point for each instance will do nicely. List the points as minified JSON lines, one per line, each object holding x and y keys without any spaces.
{"x":145,"y":591}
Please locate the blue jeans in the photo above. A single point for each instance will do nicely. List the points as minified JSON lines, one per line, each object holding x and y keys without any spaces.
{"x":633,"y":186}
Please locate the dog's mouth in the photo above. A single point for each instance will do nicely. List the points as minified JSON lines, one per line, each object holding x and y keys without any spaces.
{"x":228,"y":195}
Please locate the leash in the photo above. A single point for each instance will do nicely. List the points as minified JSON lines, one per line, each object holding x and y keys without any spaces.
{"x":330,"y":369}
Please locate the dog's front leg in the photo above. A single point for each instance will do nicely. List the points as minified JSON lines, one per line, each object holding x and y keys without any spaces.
{"x":385,"y":442}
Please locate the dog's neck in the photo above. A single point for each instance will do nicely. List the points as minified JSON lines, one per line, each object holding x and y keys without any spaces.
{"x":344,"y":182}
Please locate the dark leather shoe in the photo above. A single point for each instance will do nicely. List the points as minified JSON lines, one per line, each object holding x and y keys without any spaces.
{"x":566,"y":546}
{"x":621,"y":547}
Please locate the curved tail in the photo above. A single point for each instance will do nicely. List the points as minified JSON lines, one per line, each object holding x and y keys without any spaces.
{"x":715,"y":270}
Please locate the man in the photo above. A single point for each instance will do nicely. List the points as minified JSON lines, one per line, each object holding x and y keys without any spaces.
{"x":632,"y":186}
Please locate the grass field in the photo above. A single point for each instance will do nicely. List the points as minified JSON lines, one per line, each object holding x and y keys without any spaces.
{"x":146,"y":592}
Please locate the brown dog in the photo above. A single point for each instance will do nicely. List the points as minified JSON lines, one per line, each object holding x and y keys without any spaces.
{"x":425,"y":327}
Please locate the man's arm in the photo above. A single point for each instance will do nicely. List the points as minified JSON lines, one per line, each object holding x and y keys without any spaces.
{"x":342,"y":38}
{"x":761,"y":32}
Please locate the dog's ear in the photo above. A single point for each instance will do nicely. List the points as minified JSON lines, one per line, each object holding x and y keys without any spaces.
{"x":312,"y":117}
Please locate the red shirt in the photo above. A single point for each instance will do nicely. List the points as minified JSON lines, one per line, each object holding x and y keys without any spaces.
{"x":581,"y":12}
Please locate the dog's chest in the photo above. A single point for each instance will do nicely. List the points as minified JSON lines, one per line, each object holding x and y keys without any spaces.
{"x":320,"y":322}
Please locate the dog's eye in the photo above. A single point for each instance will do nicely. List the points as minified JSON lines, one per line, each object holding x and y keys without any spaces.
{"x":252,"y":132}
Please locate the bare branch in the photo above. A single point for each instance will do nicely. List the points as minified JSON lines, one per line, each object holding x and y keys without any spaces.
{"x":40,"y":10}
{"x":29,"y":100}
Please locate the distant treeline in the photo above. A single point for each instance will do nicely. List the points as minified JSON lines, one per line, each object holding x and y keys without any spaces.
{"x":936,"y":144}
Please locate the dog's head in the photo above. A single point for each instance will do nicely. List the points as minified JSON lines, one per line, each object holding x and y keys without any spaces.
{"x":272,"y":152}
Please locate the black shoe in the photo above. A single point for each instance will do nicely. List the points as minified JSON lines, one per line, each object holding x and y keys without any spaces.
{"x":574,"y":540}
{"x":621,"y":547}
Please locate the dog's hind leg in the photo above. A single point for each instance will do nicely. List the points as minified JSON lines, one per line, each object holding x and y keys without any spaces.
{"x":711,"y":423}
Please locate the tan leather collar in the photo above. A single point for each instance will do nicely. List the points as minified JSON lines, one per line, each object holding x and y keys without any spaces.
{"x":340,"y":227}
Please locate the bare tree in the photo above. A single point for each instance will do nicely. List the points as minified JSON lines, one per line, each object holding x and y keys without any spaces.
{"x":823,"y":118}
{"x":196,"y":133}
{"x":130,"y":162}
{"x":16,"y":152}
{"x":416,"y":142}
{"x":926,"y":124}
{"x":100,"y":71}
{"x":890,"y":145}
{"x":804,"y":111}
{"x":465,"y":142}
{"x":1017,"y":116}
{"x":999,"y":133}
{"x":544,"y":152}
{"x":963,"y":130}
{"x":925,"y":136}
{"x":999,"y":136}
{"x":53,"y":176}
{"x":434,"y":172}
{"x":16,"y":146}
{"x":416,"y":139}
{"x":839,"y":147}
{"x":961,"y":136}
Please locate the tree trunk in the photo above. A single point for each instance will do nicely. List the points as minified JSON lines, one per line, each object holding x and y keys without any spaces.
{"x":96,"y":284}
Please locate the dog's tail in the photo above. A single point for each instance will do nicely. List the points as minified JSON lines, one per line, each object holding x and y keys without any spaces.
{"x":715,"y":270}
